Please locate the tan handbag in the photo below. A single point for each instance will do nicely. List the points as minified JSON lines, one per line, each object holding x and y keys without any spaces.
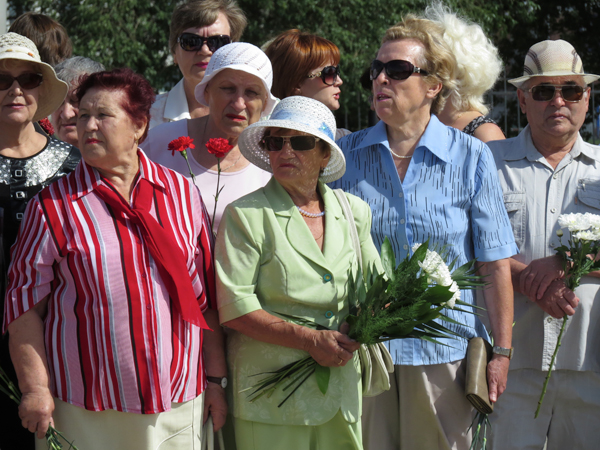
{"x":479,"y":353}
{"x":208,"y":436}
{"x":375,"y":360}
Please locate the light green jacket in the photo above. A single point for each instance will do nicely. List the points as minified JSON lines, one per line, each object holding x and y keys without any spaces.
{"x":266,"y":258}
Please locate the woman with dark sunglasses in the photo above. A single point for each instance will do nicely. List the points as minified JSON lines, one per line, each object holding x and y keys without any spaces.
{"x":198,"y":29}
{"x":427,"y":181}
{"x":308,"y":65}
{"x":478,"y":65}
{"x":288,"y":248}
{"x":29,"y":161}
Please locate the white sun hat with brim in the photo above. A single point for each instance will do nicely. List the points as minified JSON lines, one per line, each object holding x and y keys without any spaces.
{"x":240,"y":56}
{"x":552,"y":59}
{"x":295,"y":113}
{"x":52,"y":91}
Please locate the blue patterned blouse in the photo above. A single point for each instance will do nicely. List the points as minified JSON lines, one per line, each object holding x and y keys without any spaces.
{"x":450,"y":195}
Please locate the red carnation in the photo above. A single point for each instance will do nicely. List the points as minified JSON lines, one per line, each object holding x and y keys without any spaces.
{"x":47,"y":126}
{"x":218,"y":147}
{"x":181,"y":144}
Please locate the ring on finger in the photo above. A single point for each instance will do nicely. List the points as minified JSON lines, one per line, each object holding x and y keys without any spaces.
{"x":341,"y":362}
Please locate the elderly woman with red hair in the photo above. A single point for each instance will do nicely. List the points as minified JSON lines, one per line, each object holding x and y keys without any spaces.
{"x":307,"y":65}
{"x":110,"y":290}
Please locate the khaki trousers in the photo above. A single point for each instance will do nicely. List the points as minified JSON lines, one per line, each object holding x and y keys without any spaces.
{"x":177,"y":429}
{"x":569,"y":418}
{"x":425,"y":409}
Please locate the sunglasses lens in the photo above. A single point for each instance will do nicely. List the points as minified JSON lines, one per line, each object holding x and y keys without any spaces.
{"x":572,"y":93}
{"x":329,"y":74}
{"x":190,"y":42}
{"x":376,"y":68}
{"x":543,"y":93}
{"x":29,"y":80}
{"x":399,"y":69}
{"x":273,"y":143}
{"x":302,"y":143}
{"x":6,"y":81}
{"x":216,"y":42}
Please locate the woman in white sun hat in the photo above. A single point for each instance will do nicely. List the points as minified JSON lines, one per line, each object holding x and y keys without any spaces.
{"x":237,"y":89}
{"x":29,"y":161}
{"x":287,"y":249}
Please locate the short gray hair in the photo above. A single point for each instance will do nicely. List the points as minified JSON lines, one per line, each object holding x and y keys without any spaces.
{"x":70,"y":70}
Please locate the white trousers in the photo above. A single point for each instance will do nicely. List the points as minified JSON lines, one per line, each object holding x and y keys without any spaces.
{"x":177,"y":429}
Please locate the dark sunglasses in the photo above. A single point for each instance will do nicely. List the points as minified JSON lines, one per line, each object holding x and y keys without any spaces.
{"x":328,"y":74}
{"x":191,"y":42}
{"x":25,"y":80}
{"x":397,"y":69}
{"x":546,"y":92}
{"x":299,"y":143}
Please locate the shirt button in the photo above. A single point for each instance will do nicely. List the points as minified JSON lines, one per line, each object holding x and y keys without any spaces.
{"x":402,"y":221}
{"x":553,"y":210}
{"x":552,"y":244}
{"x":329,"y":314}
{"x":405,"y":247}
{"x":400,"y":195}
{"x":148,"y":307}
{"x":327,"y":277}
{"x":555,"y":176}
{"x":549,"y":320}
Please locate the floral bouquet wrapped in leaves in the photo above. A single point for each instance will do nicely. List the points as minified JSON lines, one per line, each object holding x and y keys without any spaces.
{"x":401,"y":303}
{"x":579,"y":258}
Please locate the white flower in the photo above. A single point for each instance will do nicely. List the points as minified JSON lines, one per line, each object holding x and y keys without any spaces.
{"x":452,"y":302}
{"x":593,"y":220}
{"x":415,"y":247}
{"x":574,"y":222}
{"x":587,"y":235}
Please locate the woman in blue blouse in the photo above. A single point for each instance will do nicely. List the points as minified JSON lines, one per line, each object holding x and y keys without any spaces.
{"x":424,"y":180}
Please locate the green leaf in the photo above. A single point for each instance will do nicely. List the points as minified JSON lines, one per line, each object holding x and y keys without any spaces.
{"x":388,"y":259}
{"x":322,"y":374}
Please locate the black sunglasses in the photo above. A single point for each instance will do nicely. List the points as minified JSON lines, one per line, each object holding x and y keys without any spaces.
{"x":328,"y":74}
{"x":191,"y":42}
{"x":397,"y":69}
{"x":25,"y":80}
{"x":299,"y":143}
{"x":546,"y":92}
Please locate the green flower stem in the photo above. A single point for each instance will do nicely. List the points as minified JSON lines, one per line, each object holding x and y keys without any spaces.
{"x":217,"y":194}
{"x":185,"y":156}
{"x":558,"y":342}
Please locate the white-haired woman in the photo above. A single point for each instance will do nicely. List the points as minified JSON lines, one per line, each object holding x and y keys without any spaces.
{"x":287,"y":249}
{"x":64,"y":119}
{"x":478,"y":67}
{"x":237,"y":89}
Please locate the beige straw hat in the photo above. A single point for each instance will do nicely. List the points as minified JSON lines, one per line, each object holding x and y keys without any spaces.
{"x":301,"y":114}
{"x":552,"y":59}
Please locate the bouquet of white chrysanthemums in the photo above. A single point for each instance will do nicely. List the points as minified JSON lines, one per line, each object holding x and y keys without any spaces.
{"x":404,"y":302}
{"x":580,"y":257}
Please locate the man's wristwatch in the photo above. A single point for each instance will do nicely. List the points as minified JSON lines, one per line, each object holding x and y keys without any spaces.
{"x":221,"y":381}
{"x":508,"y":352}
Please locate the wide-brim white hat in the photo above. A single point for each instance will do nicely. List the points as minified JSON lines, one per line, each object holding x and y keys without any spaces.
{"x":552,"y":59}
{"x":295,"y":113}
{"x":52,"y":91}
{"x":239,"y":56}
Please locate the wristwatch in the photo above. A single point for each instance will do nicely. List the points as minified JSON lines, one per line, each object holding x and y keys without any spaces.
{"x":221,"y":381}
{"x":508,"y":352}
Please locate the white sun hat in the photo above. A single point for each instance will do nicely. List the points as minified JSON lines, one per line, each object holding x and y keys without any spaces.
{"x":239,"y":56}
{"x":52,"y":91}
{"x":552,"y":59}
{"x":295,"y":113}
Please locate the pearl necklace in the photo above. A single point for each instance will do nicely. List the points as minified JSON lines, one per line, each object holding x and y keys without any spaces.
{"x":399,"y":156}
{"x":308,"y":214}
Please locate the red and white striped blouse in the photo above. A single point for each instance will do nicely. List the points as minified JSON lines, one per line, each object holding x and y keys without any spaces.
{"x":113,"y":338}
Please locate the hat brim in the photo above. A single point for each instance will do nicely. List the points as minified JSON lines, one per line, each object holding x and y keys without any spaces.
{"x":201,"y":87}
{"x":587,"y":77}
{"x":52,"y":91}
{"x":249,"y":144}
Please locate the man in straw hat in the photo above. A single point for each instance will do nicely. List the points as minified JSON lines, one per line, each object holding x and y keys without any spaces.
{"x":546,"y":171}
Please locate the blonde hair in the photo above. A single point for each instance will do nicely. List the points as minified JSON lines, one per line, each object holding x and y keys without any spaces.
{"x":478,"y":62}
{"x":437,"y":58}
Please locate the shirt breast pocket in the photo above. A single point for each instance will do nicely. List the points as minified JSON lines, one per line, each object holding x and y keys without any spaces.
{"x":588,"y":194}
{"x":515,"y":205}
